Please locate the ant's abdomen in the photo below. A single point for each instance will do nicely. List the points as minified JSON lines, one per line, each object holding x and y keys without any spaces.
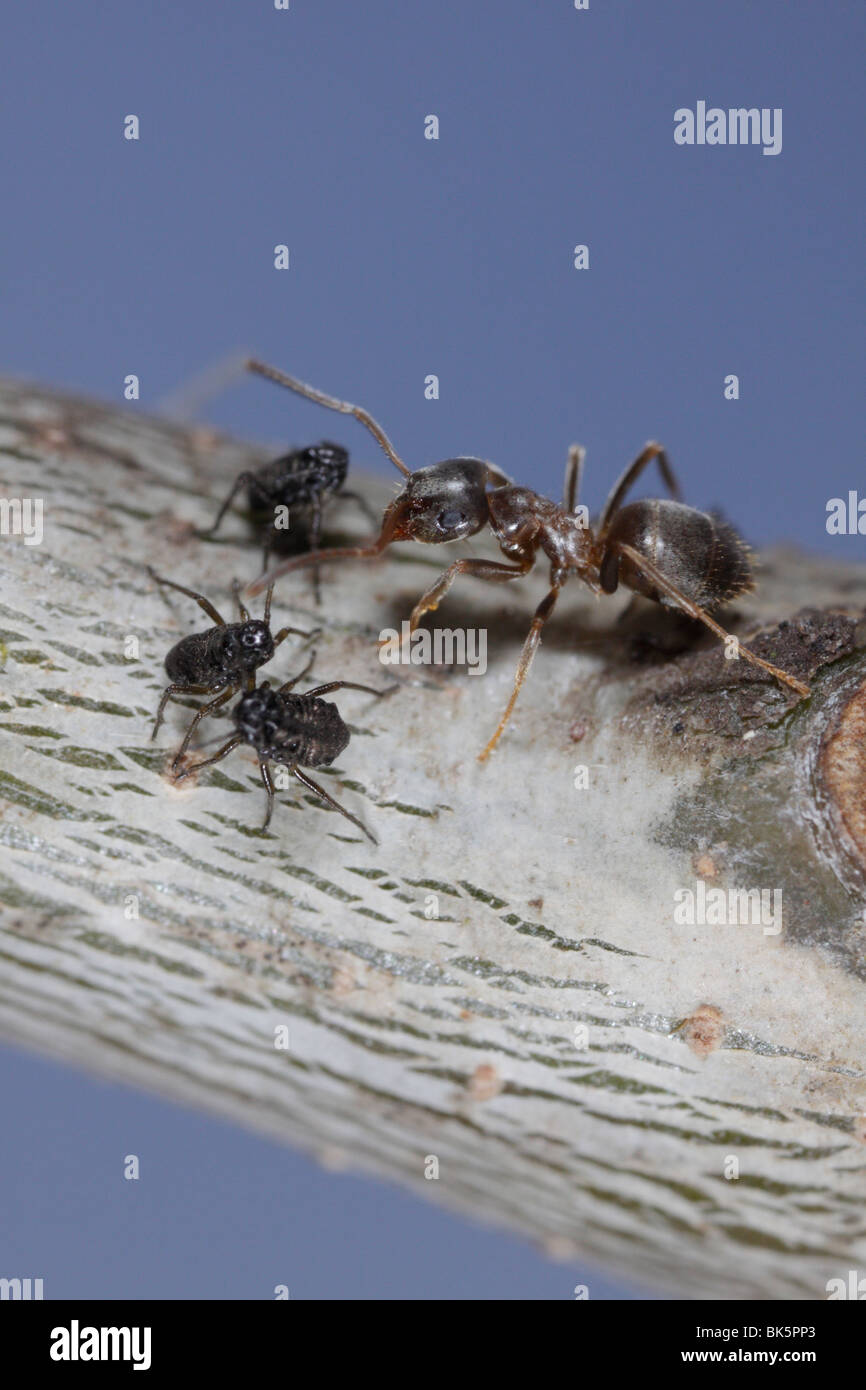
{"x":701,"y":554}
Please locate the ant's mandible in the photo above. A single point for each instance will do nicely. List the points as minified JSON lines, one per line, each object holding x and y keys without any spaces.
{"x":671,"y":553}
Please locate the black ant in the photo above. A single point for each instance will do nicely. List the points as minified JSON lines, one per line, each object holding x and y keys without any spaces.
{"x":223,"y":658}
{"x":671,"y":553}
{"x":301,"y":479}
{"x":296,"y":730}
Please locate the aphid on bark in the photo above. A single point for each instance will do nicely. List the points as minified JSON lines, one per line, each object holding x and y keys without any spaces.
{"x":297,"y":731}
{"x":678,"y":556}
{"x":221,"y":659}
{"x":294,"y":487}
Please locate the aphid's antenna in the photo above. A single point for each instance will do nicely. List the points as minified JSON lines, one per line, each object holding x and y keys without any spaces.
{"x":302,"y":389}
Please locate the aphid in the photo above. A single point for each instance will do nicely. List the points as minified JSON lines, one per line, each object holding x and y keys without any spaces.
{"x":297,"y":731}
{"x":223,"y":658}
{"x":302,"y":481}
{"x":674,"y":554}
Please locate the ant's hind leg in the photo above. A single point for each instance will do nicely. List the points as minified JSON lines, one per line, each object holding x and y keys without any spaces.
{"x":573,"y":476}
{"x":629,"y":478}
{"x":530,"y":646}
{"x":661,"y":582}
{"x":329,"y":800}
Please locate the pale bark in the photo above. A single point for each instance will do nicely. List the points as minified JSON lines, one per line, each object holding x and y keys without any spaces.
{"x":451,"y":1036}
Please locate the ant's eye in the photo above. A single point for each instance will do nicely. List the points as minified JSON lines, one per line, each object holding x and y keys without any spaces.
{"x":294,"y":745}
{"x":450,"y":519}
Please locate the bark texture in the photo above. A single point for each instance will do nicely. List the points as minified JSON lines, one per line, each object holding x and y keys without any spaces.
{"x":501,"y":983}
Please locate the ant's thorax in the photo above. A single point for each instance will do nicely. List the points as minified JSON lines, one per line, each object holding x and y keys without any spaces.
{"x":524,"y":522}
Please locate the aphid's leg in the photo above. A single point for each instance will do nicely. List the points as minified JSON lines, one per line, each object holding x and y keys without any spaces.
{"x":243,"y":612}
{"x":573,"y":476}
{"x":265,"y":770}
{"x":351,"y":685}
{"x":267,"y":546}
{"x":482,"y":569}
{"x":290,"y":684}
{"x":630,"y":476}
{"x":215,"y":758}
{"x":190,"y":593}
{"x":198,"y":716}
{"x":362,"y":503}
{"x":166,"y":696}
{"x":241,"y":481}
{"x":332,"y":403}
{"x":653,"y":573}
{"x":530,"y":646}
{"x":314,"y":537}
{"x":323,"y":795}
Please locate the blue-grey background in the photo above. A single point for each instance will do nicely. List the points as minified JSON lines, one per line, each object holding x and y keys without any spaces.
{"x":411,"y":257}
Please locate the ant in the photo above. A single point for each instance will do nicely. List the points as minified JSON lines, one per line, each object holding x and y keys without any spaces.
{"x":300,"y":478}
{"x":296,"y":730}
{"x":661,"y":548}
{"x":223,"y":658}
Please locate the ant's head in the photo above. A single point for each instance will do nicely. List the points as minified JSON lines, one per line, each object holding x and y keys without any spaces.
{"x":446,"y":501}
{"x":249,"y":644}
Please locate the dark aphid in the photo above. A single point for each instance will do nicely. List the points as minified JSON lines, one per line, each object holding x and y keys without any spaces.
{"x":222,"y":659}
{"x":674,"y":554}
{"x":297,"y":731}
{"x":300,"y":481}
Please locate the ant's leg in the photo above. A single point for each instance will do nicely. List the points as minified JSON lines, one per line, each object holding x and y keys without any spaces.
{"x":241,"y":481}
{"x":190,"y":593}
{"x":329,"y":800}
{"x":332,"y":403}
{"x":653,"y":573}
{"x":573,"y":476}
{"x":630,"y":476}
{"x":199,"y":715}
{"x":362,"y":503}
{"x":215,"y":758}
{"x":482,"y":569}
{"x":167,"y":694}
{"x":290,"y":684}
{"x":350,"y":685}
{"x":265,"y":770}
{"x":530,"y":646}
{"x":395,"y":514}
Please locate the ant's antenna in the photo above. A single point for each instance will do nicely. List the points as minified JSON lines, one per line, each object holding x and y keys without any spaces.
{"x":302,"y":389}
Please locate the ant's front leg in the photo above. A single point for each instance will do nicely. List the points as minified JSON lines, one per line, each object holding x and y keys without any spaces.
{"x":482,"y":569}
